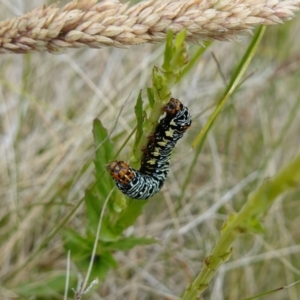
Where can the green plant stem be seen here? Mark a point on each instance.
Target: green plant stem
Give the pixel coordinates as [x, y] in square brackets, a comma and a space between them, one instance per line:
[162, 80]
[257, 205]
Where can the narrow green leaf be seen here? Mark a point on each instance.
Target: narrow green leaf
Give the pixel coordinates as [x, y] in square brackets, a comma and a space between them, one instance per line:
[128, 243]
[128, 216]
[254, 225]
[150, 95]
[233, 84]
[72, 239]
[101, 265]
[169, 49]
[180, 38]
[158, 82]
[103, 145]
[104, 153]
[119, 204]
[49, 286]
[273, 291]
[180, 56]
[125, 143]
[138, 109]
[94, 206]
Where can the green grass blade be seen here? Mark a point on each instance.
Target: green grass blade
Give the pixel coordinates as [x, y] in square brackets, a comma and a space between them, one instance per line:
[125, 143]
[273, 291]
[138, 109]
[233, 84]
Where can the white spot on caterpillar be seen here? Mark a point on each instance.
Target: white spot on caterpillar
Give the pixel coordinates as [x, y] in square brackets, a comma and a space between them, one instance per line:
[170, 132]
[173, 123]
[156, 152]
[162, 144]
[151, 161]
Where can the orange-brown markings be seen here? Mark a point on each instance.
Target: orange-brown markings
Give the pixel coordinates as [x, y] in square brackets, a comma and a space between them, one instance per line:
[150, 144]
[173, 106]
[120, 171]
[185, 128]
[147, 149]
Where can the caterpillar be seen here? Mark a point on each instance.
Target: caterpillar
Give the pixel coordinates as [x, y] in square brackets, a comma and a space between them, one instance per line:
[149, 179]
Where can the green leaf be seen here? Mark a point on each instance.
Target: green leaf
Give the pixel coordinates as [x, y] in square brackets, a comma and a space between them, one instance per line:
[78, 245]
[158, 82]
[119, 204]
[81, 250]
[108, 233]
[150, 95]
[103, 184]
[259, 296]
[255, 225]
[101, 265]
[180, 38]
[104, 153]
[94, 206]
[175, 58]
[127, 243]
[129, 215]
[140, 120]
[169, 50]
[104, 147]
[48, 286]
[180, 56]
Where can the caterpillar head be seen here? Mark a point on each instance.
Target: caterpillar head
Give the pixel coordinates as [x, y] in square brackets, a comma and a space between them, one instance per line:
[172, 107]
[120, 172]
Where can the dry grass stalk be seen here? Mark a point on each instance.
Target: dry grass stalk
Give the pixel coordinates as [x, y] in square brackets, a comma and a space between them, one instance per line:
[87, 23]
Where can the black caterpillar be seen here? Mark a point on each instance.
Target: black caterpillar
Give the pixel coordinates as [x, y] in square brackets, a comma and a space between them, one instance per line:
[146, 182]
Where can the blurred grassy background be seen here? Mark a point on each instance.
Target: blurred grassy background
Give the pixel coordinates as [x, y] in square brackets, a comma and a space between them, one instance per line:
[47, 106]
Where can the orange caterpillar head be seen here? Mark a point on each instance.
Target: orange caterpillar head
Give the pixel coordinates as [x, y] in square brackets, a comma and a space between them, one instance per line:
[120, 171]
[172, 107]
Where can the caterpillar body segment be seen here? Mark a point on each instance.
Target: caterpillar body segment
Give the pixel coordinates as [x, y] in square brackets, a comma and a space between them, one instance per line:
[149, 179]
